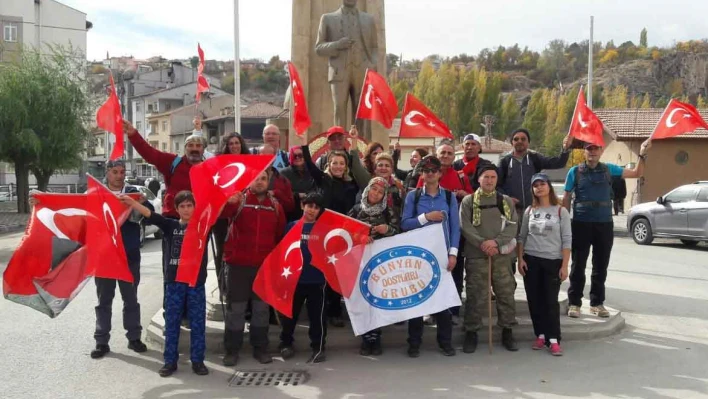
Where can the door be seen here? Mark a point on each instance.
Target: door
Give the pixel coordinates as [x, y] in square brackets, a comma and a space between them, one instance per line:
[672, 217]
[698, 215]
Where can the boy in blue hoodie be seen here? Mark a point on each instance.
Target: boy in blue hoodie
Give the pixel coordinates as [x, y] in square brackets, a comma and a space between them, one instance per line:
[310, 289]
[176, 293]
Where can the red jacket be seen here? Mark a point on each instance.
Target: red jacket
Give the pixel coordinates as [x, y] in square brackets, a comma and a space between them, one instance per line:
[255, 232]
[175, 182]
[452, 180]
[283, 191]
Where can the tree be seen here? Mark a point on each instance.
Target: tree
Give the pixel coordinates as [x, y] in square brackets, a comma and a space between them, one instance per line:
[616, 98]
[510, 116]
[646, 102]
[643, 38]
[44, 111]
[399, 89]
[423, 86]
[391, 61]
[227, 84]
[535, 118]
[609, 58]
[701, 102]
[194, 62]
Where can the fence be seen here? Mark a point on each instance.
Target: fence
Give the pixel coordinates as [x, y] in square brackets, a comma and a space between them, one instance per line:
[8, 193]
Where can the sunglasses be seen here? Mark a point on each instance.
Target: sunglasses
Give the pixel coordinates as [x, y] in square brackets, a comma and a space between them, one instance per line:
[429, 170]
[298, 156]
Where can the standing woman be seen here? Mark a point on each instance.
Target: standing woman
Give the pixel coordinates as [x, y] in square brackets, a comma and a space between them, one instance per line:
[372, 150]
[231, 144]
[339, 192]
[300, 179]
[385, 222]
[544, 252]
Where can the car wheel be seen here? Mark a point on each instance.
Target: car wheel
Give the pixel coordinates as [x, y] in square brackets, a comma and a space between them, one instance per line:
[158, 235]
[142, 234]
[641, 232]
[690, 243]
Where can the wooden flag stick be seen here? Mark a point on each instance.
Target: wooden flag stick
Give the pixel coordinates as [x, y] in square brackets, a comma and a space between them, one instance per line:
[489, 300]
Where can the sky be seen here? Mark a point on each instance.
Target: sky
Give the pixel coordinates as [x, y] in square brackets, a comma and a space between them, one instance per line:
[414, 28]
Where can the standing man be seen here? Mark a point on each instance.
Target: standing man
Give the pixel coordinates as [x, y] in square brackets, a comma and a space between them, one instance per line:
[336, 138]
[592, 225]
[517, 167]
[106, 288]
[433, 204]
[619, 193]
[271, 136]
[349, 39]
[471, 162]
[489, 224]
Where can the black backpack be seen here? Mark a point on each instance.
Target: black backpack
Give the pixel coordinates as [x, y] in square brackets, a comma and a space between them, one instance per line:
[499, 205]
[419, 192]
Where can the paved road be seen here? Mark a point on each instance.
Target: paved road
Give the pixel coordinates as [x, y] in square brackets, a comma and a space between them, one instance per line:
[662, 290]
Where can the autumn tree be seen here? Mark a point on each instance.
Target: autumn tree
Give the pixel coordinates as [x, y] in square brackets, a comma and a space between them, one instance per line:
[643, 38]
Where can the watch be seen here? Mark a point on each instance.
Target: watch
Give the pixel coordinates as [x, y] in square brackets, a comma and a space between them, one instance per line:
[643, 157]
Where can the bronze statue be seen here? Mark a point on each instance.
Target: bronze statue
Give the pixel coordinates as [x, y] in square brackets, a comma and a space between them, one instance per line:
[348, 37]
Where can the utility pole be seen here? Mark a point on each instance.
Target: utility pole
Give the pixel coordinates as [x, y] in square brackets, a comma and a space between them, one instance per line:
[237, 72]
[590, 61]
[487, 125]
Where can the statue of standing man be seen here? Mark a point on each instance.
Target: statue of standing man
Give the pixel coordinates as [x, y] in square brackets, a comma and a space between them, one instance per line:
[348, 37]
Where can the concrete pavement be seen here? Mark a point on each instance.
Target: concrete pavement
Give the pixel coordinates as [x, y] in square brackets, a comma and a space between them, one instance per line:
[662, 291]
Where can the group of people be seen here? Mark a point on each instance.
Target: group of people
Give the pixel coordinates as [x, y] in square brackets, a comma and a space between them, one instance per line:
[493, 215]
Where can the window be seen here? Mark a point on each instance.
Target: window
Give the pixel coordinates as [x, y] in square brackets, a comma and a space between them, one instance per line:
[137, 107]
[681, 194]
[176, 147]
[149, 109]
[139, 126]
[10, 32]
[703, 195]
[164, 147]
[164, 126]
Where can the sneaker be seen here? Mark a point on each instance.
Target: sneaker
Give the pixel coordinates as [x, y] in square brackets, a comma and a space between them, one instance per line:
[556, 350]
[137, 346]
[376, 349]
[600, 311]
[413, 351]
[336, 322]
[100, 351]
[365, 349]
[230, 359]
[262, 356]
[287, 352]
[574, 311]
[447, 350]
[539, 344]
[167, 370]
[317, 357]
[199, 368]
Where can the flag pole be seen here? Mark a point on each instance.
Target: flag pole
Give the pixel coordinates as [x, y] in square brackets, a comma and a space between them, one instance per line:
[489, 300]
[237, 71]
[361, 96]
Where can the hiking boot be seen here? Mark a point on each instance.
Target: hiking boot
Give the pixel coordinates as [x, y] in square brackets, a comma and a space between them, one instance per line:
[137, 346]
[287, 352]
[261, 354]
[508, 340]
[538, 344]
[413, 351]
[365, 349]
[336, 322]
[574, 311]
[199, 368]
[376, 349]
[600, 311]
[317, 357]
[447, 350]
[556, 350]
[470, 344]
[100, 351]
[167, 370]
[230, 359]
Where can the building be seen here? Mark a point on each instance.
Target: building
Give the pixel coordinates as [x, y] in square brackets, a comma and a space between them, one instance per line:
[671, 162]
[39, 24]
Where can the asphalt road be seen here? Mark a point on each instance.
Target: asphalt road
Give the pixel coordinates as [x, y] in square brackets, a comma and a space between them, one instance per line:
[661, 289]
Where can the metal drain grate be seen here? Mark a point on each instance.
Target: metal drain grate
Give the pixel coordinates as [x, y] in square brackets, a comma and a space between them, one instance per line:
[262, 378]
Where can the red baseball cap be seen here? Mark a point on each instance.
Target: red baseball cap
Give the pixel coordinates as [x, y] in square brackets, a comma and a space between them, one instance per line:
[335, 130]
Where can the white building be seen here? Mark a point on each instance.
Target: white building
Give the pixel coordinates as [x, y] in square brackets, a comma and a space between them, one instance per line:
[39, 23]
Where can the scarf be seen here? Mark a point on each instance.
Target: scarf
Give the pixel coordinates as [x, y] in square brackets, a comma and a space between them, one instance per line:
[477, 210]
[374, 209]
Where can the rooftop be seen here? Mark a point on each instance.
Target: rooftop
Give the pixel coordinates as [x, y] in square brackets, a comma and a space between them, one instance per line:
[628, 124]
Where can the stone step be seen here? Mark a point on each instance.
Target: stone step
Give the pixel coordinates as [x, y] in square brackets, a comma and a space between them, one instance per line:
[586, 327]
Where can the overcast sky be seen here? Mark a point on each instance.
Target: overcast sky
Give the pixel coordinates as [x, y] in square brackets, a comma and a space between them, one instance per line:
[415, 28]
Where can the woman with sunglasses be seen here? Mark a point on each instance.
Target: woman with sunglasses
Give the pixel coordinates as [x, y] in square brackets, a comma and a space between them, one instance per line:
[544, 252]
[300, 179]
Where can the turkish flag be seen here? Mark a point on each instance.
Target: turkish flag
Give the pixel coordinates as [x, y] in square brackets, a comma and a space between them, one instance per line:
[106, 253]
[377, 101]
[213, 182]
[301, 118]
[202, 83]
[678, 118]
[337, 243]
[586, 126]
[419, 121]
[109, 118]
[279, 273]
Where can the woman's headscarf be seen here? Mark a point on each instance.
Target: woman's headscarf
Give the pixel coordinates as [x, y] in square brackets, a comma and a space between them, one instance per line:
[374, 209]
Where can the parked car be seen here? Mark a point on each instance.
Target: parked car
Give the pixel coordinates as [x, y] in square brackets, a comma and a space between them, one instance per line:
[148, 229]
[681, 214]
[4, 197]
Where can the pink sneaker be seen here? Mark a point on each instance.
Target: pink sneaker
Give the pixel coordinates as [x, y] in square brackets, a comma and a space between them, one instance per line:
[556, 350]
[539, 344]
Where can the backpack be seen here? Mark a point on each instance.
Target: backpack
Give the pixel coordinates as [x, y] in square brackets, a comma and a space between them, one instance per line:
[175, 163]
[608, 175]
[243, 202]
[419, 192]
[499, 205]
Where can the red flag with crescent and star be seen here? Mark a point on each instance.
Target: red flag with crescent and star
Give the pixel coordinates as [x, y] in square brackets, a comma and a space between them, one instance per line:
[301, 118]
[110, 119]
[377, 102]
[337, 245]
[678, 118]
[213, 182]
[585, 125]
[279, 273]
[202, 82]
[419, 121]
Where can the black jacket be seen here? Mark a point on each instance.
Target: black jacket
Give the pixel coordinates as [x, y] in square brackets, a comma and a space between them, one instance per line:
[339, 194]
[515, 175]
